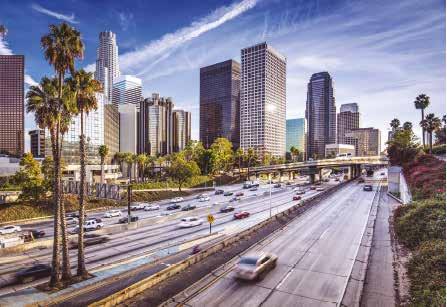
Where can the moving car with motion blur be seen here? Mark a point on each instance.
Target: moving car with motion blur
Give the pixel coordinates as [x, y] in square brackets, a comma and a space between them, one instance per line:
[253, 266]
[241, 215]
[90, 239]
[191, 221]
[36, 271]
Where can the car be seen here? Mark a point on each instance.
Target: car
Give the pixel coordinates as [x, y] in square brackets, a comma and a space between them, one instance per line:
[137, 206]
[173, 207]
[320, 189]
[10, 229]
[72, 220]
[318, 183]
[253, 266]
[90, 239]
[227, 208]
[152, 207]
[288, 183]
[367, 187]
[326, 180]
[201, 195]
[191, 221]
[176, 200]
[296, 197]
[189, 207]
[236, 198]
[313, 188]
[300, 192]
[253, 189]
[204, 198]
[228, 193]
[382, 174]
[36, 271]
[239, 194]
[196, 249]
[337, 179]
[361, 180]
[90, 225]
[218, 192]
[37, 233]
[125, 219]
[277, 185]
[241, 215]
[112, 213]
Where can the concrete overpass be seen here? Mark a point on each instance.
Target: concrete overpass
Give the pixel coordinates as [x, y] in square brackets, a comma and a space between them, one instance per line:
[312, 168]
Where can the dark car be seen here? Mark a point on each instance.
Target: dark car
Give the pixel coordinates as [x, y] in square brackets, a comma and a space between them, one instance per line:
[226, 209]
[34, 272]
[277, 185]
[91, 239]
[228, 193]
[37, 233]
[189, 207]
[361, 180]
[313, 188]
[296, 197]
[367, 187]
[196, 249]
[241, 215]
[75, 214]
[125, 219]
[218, 192]
[173, 207]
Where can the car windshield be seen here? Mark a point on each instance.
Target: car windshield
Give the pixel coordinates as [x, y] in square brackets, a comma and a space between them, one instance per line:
[248, 260]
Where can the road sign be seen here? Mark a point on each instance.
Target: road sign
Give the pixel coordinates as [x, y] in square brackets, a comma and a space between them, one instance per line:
[210, 218]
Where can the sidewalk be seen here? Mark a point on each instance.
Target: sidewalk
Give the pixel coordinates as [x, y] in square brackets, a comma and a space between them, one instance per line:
[379, 287]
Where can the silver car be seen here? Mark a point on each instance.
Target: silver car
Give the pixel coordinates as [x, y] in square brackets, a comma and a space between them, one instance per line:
[251, 267]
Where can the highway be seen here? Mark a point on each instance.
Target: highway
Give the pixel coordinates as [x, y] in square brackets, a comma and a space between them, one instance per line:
[152, 237]
[315, 252]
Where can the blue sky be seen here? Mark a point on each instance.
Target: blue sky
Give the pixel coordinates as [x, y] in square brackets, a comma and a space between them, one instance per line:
[381, 54]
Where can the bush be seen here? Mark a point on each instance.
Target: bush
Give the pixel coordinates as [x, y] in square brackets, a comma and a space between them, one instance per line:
[197, 181]
[436, 150]
[426, 270]
[421, 221]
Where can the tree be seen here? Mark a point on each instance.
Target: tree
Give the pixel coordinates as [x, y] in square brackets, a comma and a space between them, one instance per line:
[250, 158]
[431, 123]
[295, 152]
[440, 133]
[407, 126]
[421, 103]
[181, 171]
[129, 159]
[62, 46]
[238, 158]
[395, 123]
[221, 154]
[30, 178]
[403, 147]
[103, 152]
[267, 159]
[141, 161]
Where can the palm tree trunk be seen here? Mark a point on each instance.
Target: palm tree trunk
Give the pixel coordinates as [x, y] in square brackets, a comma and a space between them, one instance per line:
[66, 267]
[423, 130]
[55, 262]
[431, 141]
[102, 170]
[82, 272]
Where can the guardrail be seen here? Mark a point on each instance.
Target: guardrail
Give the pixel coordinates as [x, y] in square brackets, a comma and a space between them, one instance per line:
[150, 281]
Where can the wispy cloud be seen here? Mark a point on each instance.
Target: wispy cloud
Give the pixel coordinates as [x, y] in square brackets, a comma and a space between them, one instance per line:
[169, 42]
[126, 20]
[68, 18]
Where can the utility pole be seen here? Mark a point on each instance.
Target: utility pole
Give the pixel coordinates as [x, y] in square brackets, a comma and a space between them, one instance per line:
[270, 184]
[129, 200]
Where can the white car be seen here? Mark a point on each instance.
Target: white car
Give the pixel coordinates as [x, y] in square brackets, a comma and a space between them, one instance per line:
[152, 208]
[10, 229]
[204, 198]
[71, 220]
[190, 222]
[89, 225]
[201, 195]
[112, 213]
[252, 266]
[137, 206]
[176, 200]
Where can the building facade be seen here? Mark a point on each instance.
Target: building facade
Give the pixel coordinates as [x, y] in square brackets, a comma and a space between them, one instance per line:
[220, 102]
[368, 141]
[12, 118]
[263, 101]
[107, 65]
[111, 130]
[347, 120]
[37, 143]
[320, 114]
[128, 115]
[333, 150]
[181, 129]
[296, 135]
[127, 89]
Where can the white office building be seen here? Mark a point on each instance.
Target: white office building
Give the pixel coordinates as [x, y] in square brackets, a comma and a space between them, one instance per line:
[263, 100]
[127, 89]
[107, 66]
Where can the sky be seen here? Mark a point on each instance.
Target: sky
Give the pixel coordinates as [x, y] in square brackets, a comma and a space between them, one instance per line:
[380, 54]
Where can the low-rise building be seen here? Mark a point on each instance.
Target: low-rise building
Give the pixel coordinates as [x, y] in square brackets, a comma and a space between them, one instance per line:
[334, 150]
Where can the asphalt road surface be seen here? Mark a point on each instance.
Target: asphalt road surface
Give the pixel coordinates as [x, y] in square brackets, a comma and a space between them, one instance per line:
[315, 252]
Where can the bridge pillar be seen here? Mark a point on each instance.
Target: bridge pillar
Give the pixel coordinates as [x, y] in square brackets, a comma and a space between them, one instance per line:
[320, 174]
[312, 178]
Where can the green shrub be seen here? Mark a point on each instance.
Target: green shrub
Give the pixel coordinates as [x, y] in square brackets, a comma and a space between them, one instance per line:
[420, 221]
[426, 270]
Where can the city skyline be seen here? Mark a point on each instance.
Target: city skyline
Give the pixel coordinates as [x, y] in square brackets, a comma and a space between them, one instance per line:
[397, 76]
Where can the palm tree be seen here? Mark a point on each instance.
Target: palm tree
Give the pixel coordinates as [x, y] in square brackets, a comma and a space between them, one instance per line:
[395, 123]
[103, 152]
[141, 161]
[407, 126]
[250, 155]
[422, 102]
[129, 159]
[85, 87]
[43, 102]
[295, 152]
[431, 123]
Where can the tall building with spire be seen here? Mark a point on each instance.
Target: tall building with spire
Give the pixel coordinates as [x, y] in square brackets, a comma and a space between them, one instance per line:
[320, 114]
[107, 66]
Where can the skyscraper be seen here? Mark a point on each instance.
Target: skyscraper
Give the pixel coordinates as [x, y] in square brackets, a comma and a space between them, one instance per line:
[296, 134]
[320, 114]
[347, 120]
[219, 102]
[368, 141]
[111, 130]
[127, 89]
[107, 66]
[12, 118]
[128, 127]
[181, 129]
[263, 100]
[37, 142]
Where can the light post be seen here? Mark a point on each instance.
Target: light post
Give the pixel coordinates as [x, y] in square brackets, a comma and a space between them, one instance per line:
[270, 185]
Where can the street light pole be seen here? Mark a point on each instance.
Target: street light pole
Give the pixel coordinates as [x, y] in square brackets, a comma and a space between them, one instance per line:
[270, 184]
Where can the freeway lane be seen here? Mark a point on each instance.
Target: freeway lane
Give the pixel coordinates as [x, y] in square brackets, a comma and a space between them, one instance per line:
[316, 254]
[147, 238]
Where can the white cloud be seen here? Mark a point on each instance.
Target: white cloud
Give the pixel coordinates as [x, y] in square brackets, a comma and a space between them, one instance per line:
[68, 18]
[126, 20]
